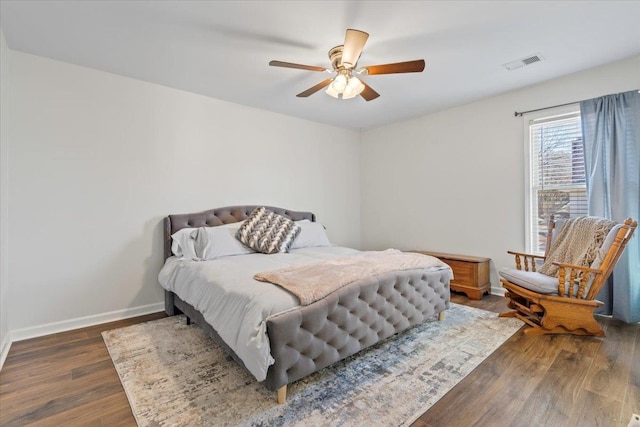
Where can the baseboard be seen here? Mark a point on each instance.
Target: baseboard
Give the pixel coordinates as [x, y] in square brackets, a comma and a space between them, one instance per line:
[5, 345]
[83, 322]
[497, 291]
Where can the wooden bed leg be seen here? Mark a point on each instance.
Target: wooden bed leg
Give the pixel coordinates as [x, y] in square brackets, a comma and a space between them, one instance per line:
[282, 394]
[188, 321]
[441, 315]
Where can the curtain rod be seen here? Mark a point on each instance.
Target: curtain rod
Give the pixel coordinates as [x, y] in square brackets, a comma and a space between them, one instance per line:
[516, 114]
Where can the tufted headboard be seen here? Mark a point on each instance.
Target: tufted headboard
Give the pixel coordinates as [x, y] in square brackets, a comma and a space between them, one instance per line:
[219, 216]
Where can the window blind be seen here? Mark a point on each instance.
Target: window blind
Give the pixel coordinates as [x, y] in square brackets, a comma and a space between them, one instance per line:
[558, 184]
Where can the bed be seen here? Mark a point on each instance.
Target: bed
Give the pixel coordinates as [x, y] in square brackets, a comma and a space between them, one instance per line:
[300, 340]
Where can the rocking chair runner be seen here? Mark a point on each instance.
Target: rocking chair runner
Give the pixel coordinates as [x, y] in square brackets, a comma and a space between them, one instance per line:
[562, 305]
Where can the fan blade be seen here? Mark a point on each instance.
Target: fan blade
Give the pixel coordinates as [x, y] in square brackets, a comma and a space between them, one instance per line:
[398, 67]
[354, 42]
[368, 93]
[314, 89]
[298, 66]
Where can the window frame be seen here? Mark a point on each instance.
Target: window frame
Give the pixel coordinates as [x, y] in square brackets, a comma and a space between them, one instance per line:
[529, 204]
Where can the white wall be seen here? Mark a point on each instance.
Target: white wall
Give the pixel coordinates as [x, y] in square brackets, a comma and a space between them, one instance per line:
[5, 339]
[453, 181]
[97, 160]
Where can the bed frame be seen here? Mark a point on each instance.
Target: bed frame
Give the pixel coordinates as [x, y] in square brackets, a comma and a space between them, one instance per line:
[312, 337]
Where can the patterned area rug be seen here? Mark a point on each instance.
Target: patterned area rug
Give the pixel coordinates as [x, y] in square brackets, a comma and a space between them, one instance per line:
[174, 375]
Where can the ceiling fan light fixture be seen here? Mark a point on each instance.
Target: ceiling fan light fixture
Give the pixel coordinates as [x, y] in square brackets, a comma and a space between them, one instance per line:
[345, 86]
[331, 91]
[353, 89]
[339, 83]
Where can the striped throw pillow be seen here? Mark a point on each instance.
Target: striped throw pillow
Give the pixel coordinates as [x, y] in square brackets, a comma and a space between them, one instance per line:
[267, 232]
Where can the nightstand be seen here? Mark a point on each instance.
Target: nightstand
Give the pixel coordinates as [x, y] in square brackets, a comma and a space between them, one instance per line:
[470, 273]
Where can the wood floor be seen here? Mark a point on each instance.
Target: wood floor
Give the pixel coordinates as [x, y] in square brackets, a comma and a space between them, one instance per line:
[68, 379]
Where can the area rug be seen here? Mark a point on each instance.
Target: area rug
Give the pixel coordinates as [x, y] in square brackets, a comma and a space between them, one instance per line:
[175, 375]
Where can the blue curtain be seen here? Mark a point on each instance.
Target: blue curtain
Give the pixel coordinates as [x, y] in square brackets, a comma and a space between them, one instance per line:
[611, 133]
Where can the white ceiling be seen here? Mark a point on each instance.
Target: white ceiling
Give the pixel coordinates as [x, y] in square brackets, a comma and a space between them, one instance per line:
[222, 49]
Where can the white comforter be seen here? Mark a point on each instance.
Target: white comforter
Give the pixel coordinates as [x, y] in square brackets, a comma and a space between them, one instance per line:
[235, 304]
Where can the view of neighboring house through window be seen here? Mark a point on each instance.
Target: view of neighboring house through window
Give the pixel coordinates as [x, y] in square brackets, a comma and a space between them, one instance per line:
[556, 175]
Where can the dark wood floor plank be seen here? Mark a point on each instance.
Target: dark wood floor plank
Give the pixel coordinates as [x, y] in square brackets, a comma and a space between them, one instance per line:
[588, 346]
[24, 393]
[631, 403]
[36, 403]
[552, 401]
[87, 414]
[37, 368]
[92, 368]
[34, 344]
[612, 362]
[517, 383]
[62, 403]
[17, 383]
[592, 409]
[53, 353]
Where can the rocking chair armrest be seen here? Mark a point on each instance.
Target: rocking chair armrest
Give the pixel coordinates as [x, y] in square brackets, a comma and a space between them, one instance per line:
[577, 267]
[527, 258]
[574, 285]
[525, 254]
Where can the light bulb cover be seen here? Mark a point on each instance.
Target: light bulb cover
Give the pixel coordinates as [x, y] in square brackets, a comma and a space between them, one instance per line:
[332, 92]
[353, 88]
[349, 95]
[339, 83]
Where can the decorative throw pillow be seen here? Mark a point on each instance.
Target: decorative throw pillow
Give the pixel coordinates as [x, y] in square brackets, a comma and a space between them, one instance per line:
[267, 232]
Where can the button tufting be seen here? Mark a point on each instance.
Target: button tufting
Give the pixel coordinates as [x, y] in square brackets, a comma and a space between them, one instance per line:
[363, 317]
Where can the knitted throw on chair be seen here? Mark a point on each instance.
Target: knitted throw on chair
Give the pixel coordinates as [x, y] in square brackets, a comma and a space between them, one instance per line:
[577, 243]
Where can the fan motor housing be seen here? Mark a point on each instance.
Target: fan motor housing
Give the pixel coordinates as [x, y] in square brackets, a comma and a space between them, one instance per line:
[335, 55]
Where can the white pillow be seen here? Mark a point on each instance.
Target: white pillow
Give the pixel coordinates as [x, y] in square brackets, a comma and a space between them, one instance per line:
[217, 242]
[312, 234]
[235, 225]
[183, 245]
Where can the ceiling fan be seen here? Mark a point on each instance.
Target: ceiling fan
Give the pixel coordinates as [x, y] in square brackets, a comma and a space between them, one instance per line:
[344, 58]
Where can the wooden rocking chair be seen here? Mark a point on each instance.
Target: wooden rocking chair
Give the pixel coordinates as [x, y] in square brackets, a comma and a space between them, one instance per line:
[566, 304]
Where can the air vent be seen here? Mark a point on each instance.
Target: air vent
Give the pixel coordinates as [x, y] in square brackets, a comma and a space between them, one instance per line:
[531, 59]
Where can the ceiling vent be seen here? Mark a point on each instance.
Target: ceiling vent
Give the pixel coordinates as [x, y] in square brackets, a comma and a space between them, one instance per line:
[519, 63]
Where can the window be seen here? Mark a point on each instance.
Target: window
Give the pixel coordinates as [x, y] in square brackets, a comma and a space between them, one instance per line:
[556, 183]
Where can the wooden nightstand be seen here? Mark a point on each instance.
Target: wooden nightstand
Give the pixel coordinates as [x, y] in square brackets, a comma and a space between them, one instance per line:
[470, 273]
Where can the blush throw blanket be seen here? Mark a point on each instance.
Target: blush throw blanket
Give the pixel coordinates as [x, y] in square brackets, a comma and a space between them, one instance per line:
[312, 282]
[577, 243]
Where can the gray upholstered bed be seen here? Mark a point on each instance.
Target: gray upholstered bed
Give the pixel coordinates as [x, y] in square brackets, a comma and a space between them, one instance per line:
[309, 338]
